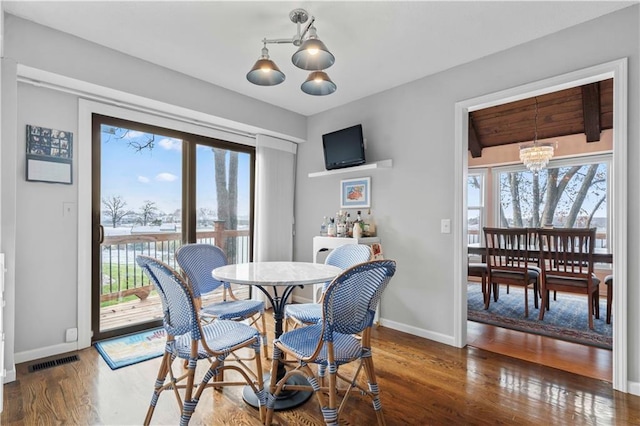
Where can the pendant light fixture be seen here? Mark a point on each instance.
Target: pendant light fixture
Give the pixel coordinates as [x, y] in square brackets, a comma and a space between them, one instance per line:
[318, 83]
[265, 72]
[536, 155]
[312, 55]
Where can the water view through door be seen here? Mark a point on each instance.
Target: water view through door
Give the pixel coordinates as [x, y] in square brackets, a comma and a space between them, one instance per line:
[155, 189]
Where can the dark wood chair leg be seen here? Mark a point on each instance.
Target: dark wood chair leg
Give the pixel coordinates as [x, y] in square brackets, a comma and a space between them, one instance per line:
[609, 300]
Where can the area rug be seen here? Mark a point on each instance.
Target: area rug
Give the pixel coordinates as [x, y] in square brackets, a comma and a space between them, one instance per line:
[134, 348]
[566, 320]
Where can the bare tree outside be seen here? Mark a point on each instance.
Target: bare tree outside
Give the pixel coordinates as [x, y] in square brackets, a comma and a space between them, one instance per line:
[562, 197]
[141, 142]
[148, 213]
[227, 192]
[115, 209]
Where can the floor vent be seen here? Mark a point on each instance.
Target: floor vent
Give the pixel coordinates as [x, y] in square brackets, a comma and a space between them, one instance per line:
[53, 363]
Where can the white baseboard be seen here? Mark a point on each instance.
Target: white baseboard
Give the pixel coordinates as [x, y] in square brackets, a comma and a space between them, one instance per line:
[633, 387]
[300, 299]
[45, 352]
[438, 337]
[10, 375]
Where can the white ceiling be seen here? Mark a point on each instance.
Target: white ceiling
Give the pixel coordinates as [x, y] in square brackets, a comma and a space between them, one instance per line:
[377, 45]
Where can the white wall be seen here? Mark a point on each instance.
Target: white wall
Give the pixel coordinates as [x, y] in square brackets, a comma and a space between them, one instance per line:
[46, 247]
[414, 125]
[41, 244]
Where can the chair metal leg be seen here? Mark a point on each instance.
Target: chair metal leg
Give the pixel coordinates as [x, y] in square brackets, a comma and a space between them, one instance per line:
[265, 342]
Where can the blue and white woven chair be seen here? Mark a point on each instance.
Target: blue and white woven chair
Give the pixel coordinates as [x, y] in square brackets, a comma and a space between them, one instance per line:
[191, 340]
[197, 261]
[343, 257]
[348, 308]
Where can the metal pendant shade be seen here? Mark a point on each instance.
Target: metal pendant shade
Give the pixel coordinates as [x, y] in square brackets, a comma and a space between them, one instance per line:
[265, 72]
[313, 55]
[318, 84]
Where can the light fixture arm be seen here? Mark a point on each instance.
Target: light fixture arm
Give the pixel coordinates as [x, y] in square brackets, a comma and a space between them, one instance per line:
[296, 40]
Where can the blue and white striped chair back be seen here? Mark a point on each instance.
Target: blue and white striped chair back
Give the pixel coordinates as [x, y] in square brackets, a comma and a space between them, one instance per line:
[197, 261]
[347, 256]
[350, 301]
[344, 257]
[180, 315]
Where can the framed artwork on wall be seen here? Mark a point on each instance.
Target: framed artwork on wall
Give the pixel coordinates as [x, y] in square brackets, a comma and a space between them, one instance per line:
[49, 155]
[355, 193]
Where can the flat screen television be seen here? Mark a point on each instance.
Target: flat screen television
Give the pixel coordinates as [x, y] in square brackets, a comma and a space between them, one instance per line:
[343, 148]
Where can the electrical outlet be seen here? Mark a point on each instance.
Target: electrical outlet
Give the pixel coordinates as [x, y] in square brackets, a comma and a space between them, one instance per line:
[445, 226]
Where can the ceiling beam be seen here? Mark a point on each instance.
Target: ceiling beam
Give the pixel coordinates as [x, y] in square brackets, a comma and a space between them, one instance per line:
[591, 111]
[474, 142]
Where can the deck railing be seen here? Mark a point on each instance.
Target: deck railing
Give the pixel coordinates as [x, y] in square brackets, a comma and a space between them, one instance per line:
[121, 275]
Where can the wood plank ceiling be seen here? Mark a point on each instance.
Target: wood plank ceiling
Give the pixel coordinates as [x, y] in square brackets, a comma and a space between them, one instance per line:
[584, 109]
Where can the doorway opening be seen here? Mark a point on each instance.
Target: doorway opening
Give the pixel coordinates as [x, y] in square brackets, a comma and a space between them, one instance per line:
[615, 70]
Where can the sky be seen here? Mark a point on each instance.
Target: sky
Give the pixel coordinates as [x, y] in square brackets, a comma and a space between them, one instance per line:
[156, 174]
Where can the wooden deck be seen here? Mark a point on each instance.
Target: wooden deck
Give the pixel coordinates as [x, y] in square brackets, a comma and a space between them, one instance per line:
[148, 309]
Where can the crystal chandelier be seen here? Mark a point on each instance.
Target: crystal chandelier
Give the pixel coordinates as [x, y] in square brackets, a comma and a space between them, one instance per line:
[536, 155]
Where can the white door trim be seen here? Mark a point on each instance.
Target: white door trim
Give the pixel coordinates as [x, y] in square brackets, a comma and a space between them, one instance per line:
[616, 70]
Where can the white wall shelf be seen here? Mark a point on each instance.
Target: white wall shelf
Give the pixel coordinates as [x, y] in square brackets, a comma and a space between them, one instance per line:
[384, 164]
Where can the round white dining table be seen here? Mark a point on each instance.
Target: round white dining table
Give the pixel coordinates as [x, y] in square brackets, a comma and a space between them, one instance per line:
[281, 278]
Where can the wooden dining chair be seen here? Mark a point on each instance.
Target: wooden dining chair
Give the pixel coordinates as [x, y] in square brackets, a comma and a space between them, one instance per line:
[566, 260]
[508, 262]
[608, 280]
[480, 270]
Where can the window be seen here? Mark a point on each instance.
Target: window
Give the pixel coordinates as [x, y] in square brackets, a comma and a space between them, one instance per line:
[475, 206]
[569, 193]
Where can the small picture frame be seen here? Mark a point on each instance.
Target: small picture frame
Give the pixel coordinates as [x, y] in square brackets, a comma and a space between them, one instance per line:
[355, 193]
[49, 155]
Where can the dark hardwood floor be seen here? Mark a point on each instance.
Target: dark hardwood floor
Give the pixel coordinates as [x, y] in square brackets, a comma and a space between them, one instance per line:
[584, 360]
[421, 383]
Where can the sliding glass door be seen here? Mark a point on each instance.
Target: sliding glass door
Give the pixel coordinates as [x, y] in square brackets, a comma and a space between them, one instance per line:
[155, 189]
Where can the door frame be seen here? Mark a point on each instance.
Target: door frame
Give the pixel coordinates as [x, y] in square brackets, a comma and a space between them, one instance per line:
[86, 109]
[618, 71]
